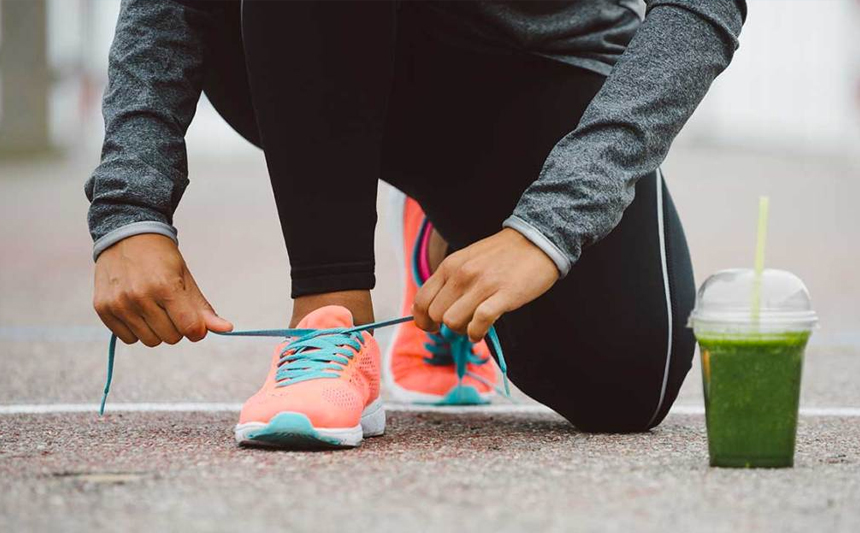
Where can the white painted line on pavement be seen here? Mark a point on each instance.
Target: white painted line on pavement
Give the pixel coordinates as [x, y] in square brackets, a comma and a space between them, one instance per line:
[214, 407]
[56, 408]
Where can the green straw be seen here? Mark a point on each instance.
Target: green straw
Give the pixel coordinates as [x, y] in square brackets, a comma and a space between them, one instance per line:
[761, 242]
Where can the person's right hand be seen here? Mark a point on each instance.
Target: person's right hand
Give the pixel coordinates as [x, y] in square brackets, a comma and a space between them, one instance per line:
[144, 291]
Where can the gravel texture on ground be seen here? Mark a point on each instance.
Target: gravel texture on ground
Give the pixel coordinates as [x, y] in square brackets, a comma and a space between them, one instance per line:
[430, 472]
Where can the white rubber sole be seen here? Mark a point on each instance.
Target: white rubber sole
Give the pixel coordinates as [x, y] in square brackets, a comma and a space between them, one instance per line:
[293, 430]
[396, 205]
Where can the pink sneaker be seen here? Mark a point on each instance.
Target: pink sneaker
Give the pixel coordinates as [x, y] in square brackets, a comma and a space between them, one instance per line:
[439, 369]
[322, 390]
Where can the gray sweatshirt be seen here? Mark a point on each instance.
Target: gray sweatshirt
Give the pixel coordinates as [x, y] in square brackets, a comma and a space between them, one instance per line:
[659, 69]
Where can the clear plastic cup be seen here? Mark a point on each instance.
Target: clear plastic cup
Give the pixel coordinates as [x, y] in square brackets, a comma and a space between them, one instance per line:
[751, 366]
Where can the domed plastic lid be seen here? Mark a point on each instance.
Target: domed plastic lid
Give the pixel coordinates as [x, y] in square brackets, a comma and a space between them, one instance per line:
[725, 303]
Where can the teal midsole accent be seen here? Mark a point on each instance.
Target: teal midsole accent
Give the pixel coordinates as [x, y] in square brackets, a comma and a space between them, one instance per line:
[460, 395]
[291, 430]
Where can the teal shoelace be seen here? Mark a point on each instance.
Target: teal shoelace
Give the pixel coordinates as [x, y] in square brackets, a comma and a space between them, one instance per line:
[451, 348]
[322, 353]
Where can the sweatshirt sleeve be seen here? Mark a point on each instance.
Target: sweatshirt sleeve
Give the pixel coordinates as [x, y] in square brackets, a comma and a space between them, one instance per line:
[155, 78]
[625, 133]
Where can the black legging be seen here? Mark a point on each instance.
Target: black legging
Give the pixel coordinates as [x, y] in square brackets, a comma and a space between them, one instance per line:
[347, 93]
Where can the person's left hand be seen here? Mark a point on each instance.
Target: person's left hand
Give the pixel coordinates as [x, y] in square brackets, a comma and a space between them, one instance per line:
[473, 287]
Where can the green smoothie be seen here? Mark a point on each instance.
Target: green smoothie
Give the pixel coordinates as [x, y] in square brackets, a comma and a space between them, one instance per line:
[752, 391]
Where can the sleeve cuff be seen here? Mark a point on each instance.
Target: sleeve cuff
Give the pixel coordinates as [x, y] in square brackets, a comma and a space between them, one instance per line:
[539, 239]
[129, 230]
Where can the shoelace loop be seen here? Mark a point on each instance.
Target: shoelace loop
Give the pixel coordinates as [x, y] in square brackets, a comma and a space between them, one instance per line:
[448, 347]
[317, 352]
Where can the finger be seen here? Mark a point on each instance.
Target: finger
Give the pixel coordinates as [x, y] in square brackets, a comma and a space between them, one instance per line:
[117, 327]
[139, 327]
[461, 276]
[185, 314]
[187, 320]
[445, 298]
[159, 322]
[486, 315]
[424, 297]
[460, 313]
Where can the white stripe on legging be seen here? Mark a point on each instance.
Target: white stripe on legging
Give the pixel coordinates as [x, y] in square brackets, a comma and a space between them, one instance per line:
[663, 263]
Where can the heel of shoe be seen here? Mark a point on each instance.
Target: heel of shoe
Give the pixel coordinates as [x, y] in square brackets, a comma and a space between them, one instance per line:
[373, 419]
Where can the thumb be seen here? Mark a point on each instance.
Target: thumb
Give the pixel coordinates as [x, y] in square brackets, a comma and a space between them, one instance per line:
[214, 322]
[207, 313]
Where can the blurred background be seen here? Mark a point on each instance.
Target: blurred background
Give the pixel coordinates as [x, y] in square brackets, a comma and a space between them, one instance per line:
[784, 121]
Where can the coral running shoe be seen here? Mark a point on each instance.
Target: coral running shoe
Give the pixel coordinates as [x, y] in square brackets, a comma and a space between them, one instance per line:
[322, 390]
[442, 368]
